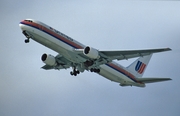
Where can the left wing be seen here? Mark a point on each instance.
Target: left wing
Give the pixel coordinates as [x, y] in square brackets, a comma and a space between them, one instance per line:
[62, 63]
[126, 54]
[47, 67]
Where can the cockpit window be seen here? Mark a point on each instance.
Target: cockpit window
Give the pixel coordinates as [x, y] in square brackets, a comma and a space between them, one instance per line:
[29, 21]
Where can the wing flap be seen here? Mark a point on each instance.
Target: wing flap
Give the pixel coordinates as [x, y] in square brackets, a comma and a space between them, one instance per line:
[152, 80]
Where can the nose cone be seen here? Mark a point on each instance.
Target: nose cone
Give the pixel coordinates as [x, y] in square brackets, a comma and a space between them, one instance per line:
[21, 25]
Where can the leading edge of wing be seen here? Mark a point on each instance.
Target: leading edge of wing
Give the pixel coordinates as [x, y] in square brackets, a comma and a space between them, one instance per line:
[152, 80]
[126, 54]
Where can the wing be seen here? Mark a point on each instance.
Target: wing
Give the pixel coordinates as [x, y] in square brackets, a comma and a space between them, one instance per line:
[109, 56]
[105, 57]
[47, 67]
[62, 63]
[126, 54]
[152, 80]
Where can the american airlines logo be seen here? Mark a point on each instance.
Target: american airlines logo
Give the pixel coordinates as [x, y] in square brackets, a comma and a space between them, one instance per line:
[140, 67]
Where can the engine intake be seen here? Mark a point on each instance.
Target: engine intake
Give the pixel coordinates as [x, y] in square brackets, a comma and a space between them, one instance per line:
[49, 59]
[91, 52]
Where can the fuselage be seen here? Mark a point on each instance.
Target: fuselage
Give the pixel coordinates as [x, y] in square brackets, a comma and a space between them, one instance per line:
[65, 46]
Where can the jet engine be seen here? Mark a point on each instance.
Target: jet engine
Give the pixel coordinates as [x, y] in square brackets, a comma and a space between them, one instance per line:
[49, 59]
[91, 52]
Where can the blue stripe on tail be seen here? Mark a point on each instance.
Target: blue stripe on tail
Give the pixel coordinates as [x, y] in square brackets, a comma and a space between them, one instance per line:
[138, 65]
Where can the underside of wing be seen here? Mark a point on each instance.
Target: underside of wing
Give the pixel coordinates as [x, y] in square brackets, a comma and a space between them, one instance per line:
[47, 67]
[152, 80]
[60, 63]
[126, 54]
[58, 67]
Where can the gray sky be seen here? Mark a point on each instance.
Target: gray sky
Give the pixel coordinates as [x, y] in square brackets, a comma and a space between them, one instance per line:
[27, 90]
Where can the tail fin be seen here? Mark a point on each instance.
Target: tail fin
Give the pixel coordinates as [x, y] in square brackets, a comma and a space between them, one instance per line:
[138, 67]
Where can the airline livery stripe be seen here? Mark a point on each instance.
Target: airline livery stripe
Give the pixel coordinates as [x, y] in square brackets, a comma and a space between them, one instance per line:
[52, 33]
[140, 67]
[122, 71]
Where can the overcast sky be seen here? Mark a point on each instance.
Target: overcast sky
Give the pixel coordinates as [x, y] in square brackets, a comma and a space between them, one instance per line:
[27, 90]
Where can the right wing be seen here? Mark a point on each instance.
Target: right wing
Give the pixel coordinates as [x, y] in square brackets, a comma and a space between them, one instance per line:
[109, 56]
[126, 54]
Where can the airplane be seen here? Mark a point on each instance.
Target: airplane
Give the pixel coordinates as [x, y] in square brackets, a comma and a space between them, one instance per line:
[72, 53]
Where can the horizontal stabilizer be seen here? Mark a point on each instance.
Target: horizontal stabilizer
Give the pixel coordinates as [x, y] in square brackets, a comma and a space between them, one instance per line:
[152, 80]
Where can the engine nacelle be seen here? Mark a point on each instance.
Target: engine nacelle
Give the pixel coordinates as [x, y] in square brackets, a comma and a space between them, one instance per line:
[91, 52]
[49, 59]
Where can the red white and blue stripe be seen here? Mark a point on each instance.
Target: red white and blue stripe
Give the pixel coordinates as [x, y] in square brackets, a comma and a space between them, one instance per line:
[140, 67]
[52, 33]
[122, 71]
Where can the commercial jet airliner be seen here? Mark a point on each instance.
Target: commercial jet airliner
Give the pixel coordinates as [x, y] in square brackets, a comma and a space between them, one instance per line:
[73, 54]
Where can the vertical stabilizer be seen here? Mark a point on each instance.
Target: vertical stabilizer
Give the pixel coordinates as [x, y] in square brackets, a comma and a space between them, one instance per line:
[138, 67]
